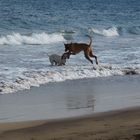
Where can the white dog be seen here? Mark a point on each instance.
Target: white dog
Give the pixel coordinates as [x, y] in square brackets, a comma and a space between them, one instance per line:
[58, 60]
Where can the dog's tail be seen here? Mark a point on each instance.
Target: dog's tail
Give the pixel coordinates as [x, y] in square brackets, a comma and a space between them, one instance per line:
[90, 39]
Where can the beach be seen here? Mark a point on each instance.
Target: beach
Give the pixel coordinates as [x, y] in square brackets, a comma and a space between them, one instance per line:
[71, 98]
[115, 125]
[101, 109]
[79, 100]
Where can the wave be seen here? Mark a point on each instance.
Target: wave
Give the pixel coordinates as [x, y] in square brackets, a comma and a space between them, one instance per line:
[113, 31]
[134, 30]
[31, 39]
[117, 31]
[27, 79]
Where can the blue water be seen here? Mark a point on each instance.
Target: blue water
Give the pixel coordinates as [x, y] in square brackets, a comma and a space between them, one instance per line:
[30, 29]
[45, 15]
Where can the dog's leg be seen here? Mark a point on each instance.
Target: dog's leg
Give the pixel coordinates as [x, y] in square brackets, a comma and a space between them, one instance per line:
[91, 55]
[59, 64]
[87, 57]
[96, 59]
[55, 62]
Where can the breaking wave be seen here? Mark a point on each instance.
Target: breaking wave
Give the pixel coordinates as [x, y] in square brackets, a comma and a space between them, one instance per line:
[107, 32]
[32, 39]
[117, 31]
[27, 79]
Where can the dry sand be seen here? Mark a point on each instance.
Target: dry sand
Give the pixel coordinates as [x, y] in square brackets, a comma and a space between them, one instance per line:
[115, 125]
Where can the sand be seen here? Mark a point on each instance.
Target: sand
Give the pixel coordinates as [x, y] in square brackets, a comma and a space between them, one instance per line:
[115, 125]
[65, 100]
[99, 109]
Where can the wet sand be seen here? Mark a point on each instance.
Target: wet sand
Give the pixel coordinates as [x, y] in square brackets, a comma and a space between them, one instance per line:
[90, 109]
[71, 98]
[115, 125]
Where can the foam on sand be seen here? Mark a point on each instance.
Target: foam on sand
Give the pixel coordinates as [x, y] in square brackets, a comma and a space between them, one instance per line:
[26, 79]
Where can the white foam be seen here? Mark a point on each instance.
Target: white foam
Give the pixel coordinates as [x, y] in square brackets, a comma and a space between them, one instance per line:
[27, 79]
[107, 32]
[34, 38]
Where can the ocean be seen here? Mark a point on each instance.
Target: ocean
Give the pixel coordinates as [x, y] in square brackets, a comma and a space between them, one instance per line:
[31, 29]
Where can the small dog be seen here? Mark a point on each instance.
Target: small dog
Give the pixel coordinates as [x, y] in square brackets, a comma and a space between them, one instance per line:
[58, 60]
[75, 48]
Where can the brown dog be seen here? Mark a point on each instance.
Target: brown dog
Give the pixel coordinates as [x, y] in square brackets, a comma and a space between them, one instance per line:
[75, 48]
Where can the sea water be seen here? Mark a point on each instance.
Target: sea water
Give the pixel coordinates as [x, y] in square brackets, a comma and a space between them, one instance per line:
[32, 29]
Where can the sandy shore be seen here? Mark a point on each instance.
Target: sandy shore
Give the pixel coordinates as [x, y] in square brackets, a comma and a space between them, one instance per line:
[64, 100]
[75, 113]
[117, 125]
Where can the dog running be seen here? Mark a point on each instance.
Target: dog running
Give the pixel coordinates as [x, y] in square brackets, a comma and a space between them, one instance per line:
[75, 48]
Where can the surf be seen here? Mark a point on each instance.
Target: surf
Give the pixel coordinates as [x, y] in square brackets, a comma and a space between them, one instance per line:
[31, 39]
[116, 31]
[30, 78]
[110, 32]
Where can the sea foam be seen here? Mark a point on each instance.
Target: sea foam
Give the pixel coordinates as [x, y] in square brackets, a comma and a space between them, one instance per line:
[28, 79]
[107, 32]
[31, 39]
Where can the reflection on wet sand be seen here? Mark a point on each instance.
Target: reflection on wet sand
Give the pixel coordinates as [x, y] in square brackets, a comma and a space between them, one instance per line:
[80, 102]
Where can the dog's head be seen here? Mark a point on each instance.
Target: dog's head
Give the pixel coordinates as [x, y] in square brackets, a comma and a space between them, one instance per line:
[66, 55]
[67, 47]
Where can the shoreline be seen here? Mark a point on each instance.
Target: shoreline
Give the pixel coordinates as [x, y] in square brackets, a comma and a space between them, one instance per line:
[119, 125]
[99, 109]
[65, 100]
